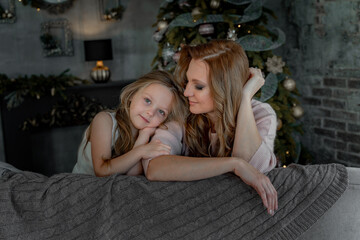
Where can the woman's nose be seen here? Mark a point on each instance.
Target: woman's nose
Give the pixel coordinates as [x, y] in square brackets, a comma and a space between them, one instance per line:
[187, 91]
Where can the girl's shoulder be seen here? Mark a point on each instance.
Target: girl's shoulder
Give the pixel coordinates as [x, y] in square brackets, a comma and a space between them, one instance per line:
[102, 118]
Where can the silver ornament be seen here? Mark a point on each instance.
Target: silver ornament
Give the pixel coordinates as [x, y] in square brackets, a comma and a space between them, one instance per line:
[214, 4]
[289, 84]
[231, 35]
[206, 29]
[158, 36]
[297, 111]
[167, 53]
[176, 57]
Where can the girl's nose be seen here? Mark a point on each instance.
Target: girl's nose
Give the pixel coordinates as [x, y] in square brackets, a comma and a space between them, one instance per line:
[150, 112]
[187, 91]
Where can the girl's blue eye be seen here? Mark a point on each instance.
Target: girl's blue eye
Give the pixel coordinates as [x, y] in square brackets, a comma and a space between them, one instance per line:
[148, 101]
[162, 112]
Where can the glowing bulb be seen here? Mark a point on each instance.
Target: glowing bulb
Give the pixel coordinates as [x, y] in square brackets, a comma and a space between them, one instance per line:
[38, 9]
[287, 152]
[284, 166]
[249, 31]
[194, 20]
[239, 25]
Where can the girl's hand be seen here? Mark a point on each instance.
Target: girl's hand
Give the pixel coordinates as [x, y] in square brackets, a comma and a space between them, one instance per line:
[146, 132]
[144, 136]
[255, 82]
[260, 183]
[154, 149]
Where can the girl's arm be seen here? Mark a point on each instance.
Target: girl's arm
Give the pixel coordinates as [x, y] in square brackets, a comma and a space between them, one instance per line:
[254, 138]
[143, 138]
[100, 138]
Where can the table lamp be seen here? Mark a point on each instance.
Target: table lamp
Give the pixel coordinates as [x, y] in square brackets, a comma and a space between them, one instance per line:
[99, 50]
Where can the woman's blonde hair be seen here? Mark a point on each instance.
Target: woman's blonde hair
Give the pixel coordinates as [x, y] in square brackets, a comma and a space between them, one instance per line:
[228, 72]
[125, 142]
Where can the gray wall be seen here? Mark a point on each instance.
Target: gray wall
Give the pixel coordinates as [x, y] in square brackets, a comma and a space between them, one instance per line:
[133, 47]
[323, 52]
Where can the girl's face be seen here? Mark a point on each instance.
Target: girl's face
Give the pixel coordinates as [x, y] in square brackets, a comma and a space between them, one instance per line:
[197, 88]
[150, 106]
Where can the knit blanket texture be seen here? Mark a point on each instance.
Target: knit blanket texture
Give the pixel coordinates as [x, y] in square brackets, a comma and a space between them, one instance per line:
[76, 206]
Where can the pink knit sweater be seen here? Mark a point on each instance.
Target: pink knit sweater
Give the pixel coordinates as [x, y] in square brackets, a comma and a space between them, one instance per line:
[264, 158]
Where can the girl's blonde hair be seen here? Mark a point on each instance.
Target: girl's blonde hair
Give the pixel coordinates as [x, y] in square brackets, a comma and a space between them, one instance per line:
[228, 72]
[125, 142]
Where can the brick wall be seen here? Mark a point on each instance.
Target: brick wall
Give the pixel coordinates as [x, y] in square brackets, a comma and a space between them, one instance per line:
[332, 120]
[323, 53]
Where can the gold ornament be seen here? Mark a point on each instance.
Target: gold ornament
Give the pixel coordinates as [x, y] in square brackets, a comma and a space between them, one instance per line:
[214, 4]
[289, 84]
[196, 11]
[162, 25]
[297, 111]
[279, 124]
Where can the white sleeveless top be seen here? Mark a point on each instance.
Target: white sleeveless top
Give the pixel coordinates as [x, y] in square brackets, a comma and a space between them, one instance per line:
[84, 162]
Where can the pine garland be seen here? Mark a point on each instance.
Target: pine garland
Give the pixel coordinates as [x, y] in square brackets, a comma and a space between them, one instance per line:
[14, 90]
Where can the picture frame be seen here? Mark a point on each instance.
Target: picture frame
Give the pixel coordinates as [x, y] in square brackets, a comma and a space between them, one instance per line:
[7, 13]
[111, 10]
[56, 38]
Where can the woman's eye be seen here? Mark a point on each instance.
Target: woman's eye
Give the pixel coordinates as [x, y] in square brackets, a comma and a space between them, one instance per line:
[162, 112]
[198, 87]
[148, 101]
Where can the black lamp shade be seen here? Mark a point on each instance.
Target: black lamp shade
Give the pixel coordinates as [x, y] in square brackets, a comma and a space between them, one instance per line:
[97, 50]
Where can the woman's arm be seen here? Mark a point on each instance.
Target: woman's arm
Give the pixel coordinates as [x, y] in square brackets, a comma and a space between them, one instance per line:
[255, 128]
[180, 168]
[100, 138]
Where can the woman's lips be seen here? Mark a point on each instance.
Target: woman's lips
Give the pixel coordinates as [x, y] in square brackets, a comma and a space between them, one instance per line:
[192, 103]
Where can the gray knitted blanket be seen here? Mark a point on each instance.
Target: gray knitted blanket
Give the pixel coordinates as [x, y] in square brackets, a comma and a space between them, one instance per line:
[73, 206]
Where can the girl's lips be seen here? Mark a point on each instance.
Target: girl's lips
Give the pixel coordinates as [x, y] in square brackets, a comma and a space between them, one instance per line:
[192, 103]
[147, 121]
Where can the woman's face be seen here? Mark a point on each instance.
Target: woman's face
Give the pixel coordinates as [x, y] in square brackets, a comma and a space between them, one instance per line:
[197, 88]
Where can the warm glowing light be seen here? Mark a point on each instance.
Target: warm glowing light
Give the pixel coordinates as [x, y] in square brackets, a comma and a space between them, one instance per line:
[19, 0]
[194, 20]
[287, 152]
[38, 9]
[249, 31]
[239, 25]
[284, 166]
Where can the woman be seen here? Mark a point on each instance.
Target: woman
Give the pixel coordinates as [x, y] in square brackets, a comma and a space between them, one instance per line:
[226, 131]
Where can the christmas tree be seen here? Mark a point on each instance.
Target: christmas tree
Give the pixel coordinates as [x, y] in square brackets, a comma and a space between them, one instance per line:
[181, 22]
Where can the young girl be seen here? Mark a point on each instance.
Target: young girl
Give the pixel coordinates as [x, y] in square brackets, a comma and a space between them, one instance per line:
[116, 141]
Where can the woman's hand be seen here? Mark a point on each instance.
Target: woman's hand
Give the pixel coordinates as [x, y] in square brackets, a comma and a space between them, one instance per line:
[260, 183]
[253, 85]
[154, 149]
